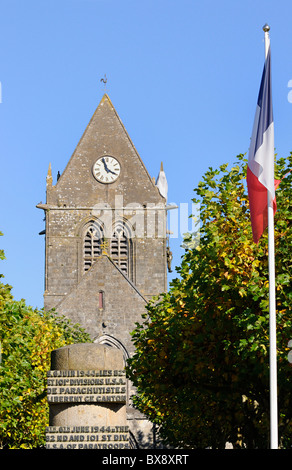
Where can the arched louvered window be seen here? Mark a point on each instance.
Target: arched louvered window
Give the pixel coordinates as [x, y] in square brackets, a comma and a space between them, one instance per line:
[121, 249]
[93, 239]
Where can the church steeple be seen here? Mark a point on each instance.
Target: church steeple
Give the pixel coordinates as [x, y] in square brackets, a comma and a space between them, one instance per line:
[104, 136]
[105, 197]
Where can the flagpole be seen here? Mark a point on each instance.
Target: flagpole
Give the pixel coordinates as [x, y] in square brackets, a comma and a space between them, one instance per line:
[272, 307]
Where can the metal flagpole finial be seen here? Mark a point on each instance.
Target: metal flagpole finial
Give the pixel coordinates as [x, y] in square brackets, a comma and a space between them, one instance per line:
[266, 29]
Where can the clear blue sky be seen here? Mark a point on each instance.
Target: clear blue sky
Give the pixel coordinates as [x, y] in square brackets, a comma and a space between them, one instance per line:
[182, 74]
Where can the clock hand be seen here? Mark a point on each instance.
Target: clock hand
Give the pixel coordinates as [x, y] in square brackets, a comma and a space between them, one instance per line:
[105, 165]
[112, 172]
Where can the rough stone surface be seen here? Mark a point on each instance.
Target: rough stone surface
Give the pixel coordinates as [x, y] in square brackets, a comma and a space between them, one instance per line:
[86, 357]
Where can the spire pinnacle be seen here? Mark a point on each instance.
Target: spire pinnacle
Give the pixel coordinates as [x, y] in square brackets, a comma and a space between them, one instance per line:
[49, 176]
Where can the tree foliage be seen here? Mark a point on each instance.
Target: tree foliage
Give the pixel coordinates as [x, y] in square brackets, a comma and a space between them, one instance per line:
[201, 365]
[27, 337]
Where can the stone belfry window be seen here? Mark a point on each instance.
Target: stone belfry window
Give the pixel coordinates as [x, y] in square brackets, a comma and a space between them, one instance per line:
[92, 242]
[121, 249]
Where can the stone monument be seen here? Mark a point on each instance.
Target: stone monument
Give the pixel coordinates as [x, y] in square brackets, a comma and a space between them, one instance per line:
[87, 394]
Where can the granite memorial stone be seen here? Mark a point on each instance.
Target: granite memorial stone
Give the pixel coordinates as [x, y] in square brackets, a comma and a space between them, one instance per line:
[87, 394]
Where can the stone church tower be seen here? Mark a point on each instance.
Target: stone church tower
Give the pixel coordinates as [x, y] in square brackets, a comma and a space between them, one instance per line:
[105, 235]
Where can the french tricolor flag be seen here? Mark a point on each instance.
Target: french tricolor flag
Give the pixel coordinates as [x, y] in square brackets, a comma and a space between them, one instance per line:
[260, 169]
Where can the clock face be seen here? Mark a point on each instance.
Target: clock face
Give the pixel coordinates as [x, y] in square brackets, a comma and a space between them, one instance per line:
[106, 169]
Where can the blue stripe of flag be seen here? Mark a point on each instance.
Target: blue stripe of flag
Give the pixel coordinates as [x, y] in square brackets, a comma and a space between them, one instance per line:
[265, 102]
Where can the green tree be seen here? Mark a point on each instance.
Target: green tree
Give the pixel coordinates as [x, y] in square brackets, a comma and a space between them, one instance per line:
[27, 337]
[5, 289]
[201, 365]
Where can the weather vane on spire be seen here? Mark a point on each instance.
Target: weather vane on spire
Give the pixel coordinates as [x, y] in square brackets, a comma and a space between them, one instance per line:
[104, 80]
